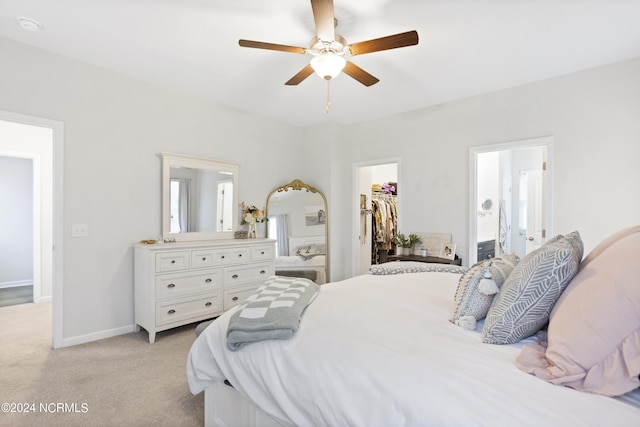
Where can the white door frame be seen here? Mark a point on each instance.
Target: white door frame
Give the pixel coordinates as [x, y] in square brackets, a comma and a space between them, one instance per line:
[355, 197]
[545, 141]
[50, 249]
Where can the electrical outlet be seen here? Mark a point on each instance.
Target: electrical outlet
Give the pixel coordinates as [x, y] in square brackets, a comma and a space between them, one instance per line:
[79, 230]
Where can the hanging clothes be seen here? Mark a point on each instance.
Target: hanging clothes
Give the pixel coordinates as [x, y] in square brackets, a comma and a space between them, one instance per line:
[384, 226]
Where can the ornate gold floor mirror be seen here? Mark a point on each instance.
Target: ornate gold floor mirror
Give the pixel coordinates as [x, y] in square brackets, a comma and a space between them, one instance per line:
[299, 221]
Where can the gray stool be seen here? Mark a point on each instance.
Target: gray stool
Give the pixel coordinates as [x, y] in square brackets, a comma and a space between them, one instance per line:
[202, 326]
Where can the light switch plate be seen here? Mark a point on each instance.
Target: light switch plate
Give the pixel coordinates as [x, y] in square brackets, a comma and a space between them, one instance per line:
[79, 230]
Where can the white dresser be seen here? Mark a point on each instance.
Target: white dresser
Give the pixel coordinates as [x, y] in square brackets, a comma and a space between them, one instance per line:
[186, 282]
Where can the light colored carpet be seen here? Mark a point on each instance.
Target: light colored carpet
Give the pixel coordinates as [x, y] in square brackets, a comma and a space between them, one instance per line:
[120, 381]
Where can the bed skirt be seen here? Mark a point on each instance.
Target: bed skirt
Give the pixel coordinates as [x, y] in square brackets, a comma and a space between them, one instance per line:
[225, 407]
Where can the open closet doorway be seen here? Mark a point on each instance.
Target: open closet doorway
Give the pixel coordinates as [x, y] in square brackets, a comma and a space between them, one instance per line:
[375, 182]
[510, 198]
[39, 142]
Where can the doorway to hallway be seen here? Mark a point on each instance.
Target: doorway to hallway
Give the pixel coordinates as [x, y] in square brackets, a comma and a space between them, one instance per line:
[41, 141]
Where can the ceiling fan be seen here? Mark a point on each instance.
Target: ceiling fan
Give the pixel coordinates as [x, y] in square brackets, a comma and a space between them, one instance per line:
[330, 49]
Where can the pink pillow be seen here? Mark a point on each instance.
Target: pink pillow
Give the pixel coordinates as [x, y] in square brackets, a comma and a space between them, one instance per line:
[606, 243]
[594, 328]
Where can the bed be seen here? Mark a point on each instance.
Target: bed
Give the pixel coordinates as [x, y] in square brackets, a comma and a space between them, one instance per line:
[389, 349]
[306, 258]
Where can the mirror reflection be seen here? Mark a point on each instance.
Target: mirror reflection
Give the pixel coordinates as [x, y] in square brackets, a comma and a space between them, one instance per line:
[298, 221]
[198, 197]
[201, 200]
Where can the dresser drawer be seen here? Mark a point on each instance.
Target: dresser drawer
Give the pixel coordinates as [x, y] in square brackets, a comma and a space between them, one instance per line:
[245, 274]
[262, 253]
[172, 261]
[226, 256]
[236, 296]
[188, 283]
[181, 309]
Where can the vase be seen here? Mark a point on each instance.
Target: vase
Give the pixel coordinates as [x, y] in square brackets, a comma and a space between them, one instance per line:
[261, 229]
[252, 231]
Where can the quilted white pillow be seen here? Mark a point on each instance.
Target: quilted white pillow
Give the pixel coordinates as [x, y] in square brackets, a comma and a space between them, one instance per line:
[523, 306]
[469, 300]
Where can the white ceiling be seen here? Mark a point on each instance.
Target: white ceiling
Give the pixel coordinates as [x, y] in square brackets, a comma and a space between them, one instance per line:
[466, 48]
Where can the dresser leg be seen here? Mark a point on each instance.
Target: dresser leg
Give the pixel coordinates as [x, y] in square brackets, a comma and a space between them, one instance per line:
[152, 337]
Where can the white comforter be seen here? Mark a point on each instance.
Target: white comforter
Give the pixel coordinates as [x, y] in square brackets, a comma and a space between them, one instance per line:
[380, 351]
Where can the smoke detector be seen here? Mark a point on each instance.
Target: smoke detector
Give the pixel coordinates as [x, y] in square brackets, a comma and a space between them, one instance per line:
[29, 24]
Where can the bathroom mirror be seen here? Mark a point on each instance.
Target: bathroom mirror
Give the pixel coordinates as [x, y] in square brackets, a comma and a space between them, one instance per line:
[299, 222]
[199, 198]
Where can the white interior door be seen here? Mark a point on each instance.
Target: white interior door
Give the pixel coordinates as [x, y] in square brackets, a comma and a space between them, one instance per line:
[535, 218]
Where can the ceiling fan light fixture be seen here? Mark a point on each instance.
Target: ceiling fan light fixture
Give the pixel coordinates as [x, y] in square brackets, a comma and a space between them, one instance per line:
[328, 65]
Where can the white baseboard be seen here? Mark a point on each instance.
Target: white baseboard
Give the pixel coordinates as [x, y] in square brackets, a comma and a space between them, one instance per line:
[16, 283]
[95, 336]
[38, 300]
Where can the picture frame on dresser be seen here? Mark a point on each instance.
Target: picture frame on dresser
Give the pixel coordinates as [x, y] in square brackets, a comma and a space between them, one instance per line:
[447, 250]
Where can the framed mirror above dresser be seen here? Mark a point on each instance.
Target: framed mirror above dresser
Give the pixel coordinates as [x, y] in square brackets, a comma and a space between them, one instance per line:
[298, 220]
[199, 198]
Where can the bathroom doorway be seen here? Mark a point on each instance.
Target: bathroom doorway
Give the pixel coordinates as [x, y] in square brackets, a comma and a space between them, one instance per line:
[510, 198]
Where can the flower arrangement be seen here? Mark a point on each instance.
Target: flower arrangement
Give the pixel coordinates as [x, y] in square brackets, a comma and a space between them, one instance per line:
[251, 214]
[402, 241]
[407, 241]
[414, 239]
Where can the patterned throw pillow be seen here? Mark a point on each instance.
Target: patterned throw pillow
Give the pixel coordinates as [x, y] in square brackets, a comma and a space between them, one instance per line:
[526, 299]
[401, 267]
[469, 301]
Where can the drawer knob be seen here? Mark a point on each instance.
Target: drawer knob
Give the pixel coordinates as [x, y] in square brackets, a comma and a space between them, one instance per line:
[262, 271]
[171, 311]
[173, 261]
[262, 253]
[234, 299]
[222, 257]
[204, 258]
[208, 280]
[208, 304]
[171, 285]
[239, 255]
[235, 276]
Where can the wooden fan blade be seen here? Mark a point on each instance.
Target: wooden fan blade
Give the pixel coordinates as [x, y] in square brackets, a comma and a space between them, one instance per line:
[302, 74]
[359, 74]
[409, 38]
[272, 46]
[323, 16]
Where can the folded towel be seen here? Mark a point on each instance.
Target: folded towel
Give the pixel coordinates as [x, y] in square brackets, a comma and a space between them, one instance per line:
[273, 312]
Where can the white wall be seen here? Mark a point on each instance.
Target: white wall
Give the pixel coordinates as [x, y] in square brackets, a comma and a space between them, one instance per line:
[115, 128]
[16, 221]
[592, 115]
[488, 189]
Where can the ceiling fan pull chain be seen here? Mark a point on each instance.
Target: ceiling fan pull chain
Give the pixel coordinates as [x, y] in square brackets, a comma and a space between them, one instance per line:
[328, 95]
